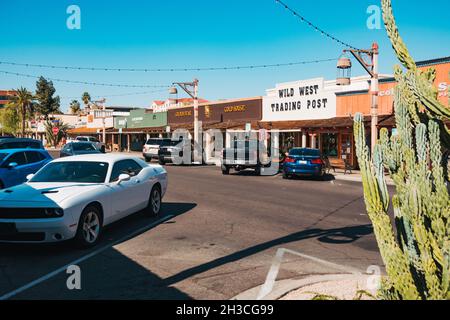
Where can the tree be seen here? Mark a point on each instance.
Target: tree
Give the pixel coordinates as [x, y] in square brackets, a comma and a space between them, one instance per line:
[22, 101]
[86, 98]
[46, 103]
[53, 139]
[75, 107]
[9, 120]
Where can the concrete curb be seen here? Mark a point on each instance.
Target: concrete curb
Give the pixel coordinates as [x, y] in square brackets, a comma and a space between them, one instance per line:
[358, 178]
[284, 287]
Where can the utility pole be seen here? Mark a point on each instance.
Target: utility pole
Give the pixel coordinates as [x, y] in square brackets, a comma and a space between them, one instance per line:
[374, 90]
[191, 88]
[103, 102]
[372, 69]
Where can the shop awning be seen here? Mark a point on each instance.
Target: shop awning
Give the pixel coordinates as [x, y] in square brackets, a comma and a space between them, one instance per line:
[338, 122]
[83, 130]
[139, 130]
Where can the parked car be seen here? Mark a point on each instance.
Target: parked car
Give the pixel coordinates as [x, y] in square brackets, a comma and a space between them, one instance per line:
[16, 164]
[20, 143]
[76, 197]
[151, 148]
[304, 162]
[176, 149]
[98, 144]
[244, 154]
[78, 148]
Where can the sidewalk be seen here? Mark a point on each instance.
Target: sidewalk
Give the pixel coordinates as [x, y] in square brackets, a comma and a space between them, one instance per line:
[355, 176]
[337, 286]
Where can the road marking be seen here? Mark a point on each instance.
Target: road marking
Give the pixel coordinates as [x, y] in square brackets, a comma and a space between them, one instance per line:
[84, 258]
[268, 285]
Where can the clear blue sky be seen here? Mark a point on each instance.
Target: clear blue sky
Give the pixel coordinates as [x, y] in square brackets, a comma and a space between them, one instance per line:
[201, 33]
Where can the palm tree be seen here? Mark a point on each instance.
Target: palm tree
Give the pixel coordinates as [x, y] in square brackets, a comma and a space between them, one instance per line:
[23, 102]
[75, 107]
[53, 139]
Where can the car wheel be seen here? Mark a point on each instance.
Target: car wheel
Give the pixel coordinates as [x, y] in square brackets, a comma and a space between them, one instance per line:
[226, 170]
[1, 185]
[258, 170]
[89, 227]
[154, 203]
[286, 176]
[161, 161]
[147, 159]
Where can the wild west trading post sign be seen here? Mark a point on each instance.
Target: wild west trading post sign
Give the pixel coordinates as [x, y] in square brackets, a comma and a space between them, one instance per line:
[300, 100]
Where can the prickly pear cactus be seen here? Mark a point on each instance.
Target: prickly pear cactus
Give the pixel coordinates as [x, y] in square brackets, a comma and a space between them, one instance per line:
[415, 247]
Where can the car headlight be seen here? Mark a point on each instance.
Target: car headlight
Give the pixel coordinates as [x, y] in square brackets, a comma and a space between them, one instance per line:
[54, 212]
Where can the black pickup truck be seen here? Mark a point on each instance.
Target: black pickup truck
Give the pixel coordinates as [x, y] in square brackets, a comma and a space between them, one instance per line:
[244, 154]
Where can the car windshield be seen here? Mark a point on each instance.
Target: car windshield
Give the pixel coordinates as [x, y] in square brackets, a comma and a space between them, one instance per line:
[83, 147]
[172, 142]
[73, 171]
[158, 142]
[305, 152]
[2, 156]
[81, 139]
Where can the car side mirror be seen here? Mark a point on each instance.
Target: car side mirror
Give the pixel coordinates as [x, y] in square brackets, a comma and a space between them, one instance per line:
[12, 165]
[30, 176]
[123, 177]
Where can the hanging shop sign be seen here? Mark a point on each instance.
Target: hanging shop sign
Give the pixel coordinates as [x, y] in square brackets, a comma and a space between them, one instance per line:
[300, 100]
[142, 118]
[231, 110]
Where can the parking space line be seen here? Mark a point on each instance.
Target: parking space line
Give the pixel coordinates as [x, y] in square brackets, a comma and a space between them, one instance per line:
[84, 258]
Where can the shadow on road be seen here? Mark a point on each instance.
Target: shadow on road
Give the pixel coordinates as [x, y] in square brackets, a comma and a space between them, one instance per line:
[22, 263]
[336, 236]
[110, 275]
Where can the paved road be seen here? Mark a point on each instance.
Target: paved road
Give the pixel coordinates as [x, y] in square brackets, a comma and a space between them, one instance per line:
[220, 238]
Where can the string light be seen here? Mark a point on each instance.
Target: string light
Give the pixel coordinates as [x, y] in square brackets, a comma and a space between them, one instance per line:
[313, 26]
[169, 69]
[120, 95]
[85, 82]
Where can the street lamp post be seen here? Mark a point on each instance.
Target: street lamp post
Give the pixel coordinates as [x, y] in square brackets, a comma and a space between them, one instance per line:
[372, 69]
[191, 88]
[103, 102]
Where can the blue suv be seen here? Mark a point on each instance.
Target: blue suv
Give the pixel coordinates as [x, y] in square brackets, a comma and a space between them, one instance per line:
[17, 164]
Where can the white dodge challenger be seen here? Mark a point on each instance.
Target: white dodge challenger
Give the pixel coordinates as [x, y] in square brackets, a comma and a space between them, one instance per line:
[75, 197]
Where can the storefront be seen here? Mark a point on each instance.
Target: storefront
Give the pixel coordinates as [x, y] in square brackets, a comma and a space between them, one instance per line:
[319, 114]
[305, 113]
[220, 116]
[130, 133]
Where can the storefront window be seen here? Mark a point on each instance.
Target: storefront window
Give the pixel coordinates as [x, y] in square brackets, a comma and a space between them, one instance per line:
[330, 144]
[289, 140]
[137, 141]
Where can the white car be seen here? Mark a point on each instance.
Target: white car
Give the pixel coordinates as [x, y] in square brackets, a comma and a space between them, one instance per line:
[75, 197]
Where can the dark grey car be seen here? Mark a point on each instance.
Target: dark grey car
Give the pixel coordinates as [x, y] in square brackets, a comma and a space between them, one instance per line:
[78, 148]
[20, 143]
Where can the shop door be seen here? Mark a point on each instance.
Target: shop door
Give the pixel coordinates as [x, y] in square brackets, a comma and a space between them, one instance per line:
[347, 148]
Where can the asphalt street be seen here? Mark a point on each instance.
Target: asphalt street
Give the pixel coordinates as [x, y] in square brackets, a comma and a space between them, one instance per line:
[216, 237]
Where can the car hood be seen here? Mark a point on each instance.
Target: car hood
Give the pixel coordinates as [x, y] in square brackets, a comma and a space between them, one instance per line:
[45, 192]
